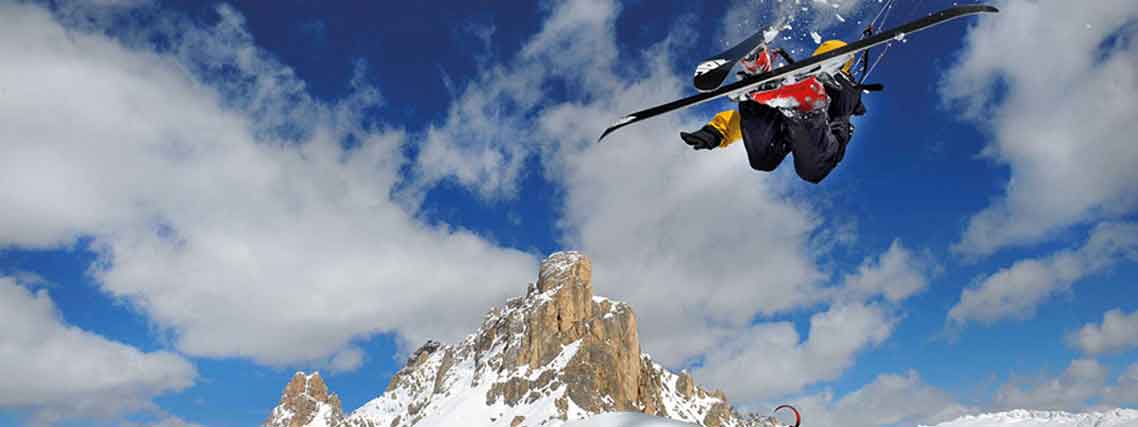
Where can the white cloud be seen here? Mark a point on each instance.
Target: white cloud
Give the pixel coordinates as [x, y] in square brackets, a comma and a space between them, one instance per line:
[703, 227]
[239, 242]
[797, 19]
[172, 421]
[1052, 80]
[60, 371]
[347, 360]
[489, 130]
[1082, 381]
[1084, 385]
[119, 3]
[897, 274]
[1015, 292]
[1125, 392]
[1118, 331]
[778, 363]
[891, 399]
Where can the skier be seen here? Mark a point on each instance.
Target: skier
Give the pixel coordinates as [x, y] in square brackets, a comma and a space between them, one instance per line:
[817, 137]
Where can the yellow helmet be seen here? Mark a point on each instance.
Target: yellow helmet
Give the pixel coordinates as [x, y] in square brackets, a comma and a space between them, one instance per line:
[830, 45]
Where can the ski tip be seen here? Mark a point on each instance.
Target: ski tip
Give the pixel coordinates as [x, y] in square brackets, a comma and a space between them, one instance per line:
[967, 10]
[976, 8]
[604, 134]
[619, 124]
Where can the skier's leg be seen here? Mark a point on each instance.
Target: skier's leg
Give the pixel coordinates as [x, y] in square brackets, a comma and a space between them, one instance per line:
[817, 150]
[759, 124]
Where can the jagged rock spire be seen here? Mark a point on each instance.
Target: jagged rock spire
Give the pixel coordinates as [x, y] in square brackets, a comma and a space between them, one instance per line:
[306, 402]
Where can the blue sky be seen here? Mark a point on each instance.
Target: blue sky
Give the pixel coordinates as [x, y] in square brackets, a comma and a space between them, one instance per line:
[204, 197]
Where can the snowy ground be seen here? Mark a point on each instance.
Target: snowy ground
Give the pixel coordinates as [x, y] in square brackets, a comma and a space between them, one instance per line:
[1115, 418]
[627, 419]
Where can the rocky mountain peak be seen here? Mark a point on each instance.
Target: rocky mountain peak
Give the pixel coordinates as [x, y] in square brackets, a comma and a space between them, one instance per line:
[303, 385]
[557, 353]
[602, 373]
[571, 269]
[306, 402]
[566, 279]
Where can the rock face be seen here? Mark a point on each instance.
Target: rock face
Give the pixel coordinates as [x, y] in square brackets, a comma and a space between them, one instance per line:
[558, 353]
[306, 403]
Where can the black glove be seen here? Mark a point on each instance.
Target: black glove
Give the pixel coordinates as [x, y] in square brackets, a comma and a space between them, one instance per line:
[704, 139]
[845, 96]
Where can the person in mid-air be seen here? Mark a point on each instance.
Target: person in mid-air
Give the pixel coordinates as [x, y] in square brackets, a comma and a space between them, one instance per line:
[810, 118]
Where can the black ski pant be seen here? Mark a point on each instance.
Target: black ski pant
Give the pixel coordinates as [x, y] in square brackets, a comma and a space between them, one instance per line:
[769, 136]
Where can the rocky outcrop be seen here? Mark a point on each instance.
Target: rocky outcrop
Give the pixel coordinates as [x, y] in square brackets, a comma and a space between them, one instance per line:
[557, 353]
[306, 402]
[604, 373]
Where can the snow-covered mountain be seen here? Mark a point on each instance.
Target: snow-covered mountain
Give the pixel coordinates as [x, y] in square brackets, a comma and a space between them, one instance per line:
[1018, 418]
[557, 354]
[627, 419]
[1022, 418]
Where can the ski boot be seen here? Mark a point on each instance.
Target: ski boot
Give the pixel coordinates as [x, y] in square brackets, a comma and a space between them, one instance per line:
[758, 61]
[803, 96]
[704, 139]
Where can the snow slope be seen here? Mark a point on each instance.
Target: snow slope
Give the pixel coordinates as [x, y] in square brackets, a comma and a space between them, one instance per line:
[1022, 418]
[627, 419]
[1017, 418]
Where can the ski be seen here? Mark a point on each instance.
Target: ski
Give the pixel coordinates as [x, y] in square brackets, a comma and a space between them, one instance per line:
[712, 71]
[805, 66]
